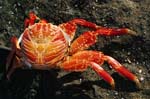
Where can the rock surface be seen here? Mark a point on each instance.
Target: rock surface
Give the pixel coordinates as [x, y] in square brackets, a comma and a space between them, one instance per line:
[133, 52]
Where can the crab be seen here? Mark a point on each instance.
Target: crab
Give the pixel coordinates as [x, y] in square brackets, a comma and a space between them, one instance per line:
[44, 45]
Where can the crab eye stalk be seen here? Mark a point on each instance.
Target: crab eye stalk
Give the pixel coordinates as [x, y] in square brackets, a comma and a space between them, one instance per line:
[32, 15]
[31, 20]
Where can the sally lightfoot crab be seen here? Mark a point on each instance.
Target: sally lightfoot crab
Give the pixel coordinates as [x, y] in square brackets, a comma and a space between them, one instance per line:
[43, 45]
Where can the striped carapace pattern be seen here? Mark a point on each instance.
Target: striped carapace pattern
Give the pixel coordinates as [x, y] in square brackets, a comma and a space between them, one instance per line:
[43, 44]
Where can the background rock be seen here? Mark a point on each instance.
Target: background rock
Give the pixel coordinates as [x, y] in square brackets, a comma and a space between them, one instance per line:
[133, 52]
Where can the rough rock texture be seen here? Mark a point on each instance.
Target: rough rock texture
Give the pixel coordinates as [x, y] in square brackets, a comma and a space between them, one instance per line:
[133, 52]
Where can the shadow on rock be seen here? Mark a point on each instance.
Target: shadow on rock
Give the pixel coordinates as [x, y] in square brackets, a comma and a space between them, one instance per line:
[25, 84]
[122, 84]
[3, 55]
[29, 84]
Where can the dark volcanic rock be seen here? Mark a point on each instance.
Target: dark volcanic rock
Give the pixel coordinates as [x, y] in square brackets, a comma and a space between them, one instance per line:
[133, 52]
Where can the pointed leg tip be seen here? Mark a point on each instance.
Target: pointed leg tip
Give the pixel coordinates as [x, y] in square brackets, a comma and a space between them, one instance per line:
[131, 32]
[137, 82]
[112, 85]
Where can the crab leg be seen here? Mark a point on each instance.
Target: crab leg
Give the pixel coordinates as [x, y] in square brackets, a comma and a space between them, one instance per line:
[83, 41]
[81, 60]
[84, 23]
[81, 65]
[89, 38]
[13, 57]
[13, 51]
[15, 64]
[71, 26]
[114, 31]
[102, 30]
[122, 70]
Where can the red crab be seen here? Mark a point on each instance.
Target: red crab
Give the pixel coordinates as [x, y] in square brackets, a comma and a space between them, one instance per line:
[43, 45]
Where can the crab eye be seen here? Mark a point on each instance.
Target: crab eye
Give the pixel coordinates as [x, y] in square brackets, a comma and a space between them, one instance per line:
[37, 20]
[32, 15]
